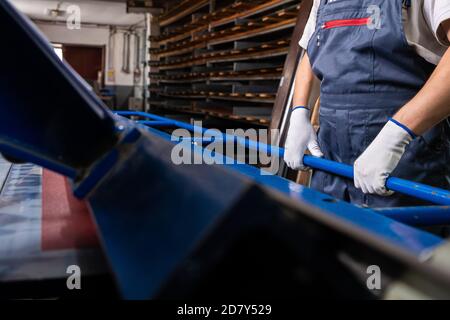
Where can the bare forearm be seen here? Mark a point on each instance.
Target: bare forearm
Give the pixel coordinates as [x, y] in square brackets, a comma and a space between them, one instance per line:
[304, 82]
[432, 104]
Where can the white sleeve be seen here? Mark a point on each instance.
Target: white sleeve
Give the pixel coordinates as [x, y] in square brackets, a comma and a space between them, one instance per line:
[436, 12]
[310, 25]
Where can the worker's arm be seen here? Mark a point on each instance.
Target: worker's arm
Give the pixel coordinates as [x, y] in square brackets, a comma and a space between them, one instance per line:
[429, 107]
[432, 103]
[301, 135]
[304, 81]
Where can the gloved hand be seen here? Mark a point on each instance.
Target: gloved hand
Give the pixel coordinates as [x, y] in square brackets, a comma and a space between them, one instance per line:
[301, 136]
[373, 167]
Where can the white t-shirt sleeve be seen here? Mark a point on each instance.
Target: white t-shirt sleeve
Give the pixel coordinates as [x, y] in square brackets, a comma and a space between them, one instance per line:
[435, 12]
[310, 25]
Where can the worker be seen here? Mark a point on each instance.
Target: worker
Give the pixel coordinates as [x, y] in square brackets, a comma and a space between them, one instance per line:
[384, 71]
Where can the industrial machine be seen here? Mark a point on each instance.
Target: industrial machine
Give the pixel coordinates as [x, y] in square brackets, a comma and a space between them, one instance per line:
[207, 231]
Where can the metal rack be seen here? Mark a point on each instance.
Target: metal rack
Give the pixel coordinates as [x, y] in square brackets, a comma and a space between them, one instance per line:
[218, 58]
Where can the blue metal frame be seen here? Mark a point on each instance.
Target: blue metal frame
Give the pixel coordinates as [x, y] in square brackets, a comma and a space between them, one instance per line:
[418, 216]
[413, 189]
[359, 216]
[146, 239]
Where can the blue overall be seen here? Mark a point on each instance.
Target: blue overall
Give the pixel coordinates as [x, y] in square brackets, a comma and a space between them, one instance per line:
[367, 74]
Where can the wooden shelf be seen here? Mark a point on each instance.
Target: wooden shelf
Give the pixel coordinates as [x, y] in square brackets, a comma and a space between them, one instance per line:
[268, 53]
[173, 81]
[281, 20]
[180, 11]
[259, 120]
[216, 64]
[285, 24]
[265, 50]
[231, 38]
[256, 99]
[202, 23]
[158, 103]
[252, 119]
[181, 36]
[258, 8]
[248, 97]
[238, 10]
[225, 78]
[178, 95]
[258, 74]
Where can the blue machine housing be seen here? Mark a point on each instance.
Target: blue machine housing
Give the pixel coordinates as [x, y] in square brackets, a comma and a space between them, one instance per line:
[57, 121]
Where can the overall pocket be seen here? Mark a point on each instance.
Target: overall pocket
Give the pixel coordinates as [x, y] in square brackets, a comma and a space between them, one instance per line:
[342, 53]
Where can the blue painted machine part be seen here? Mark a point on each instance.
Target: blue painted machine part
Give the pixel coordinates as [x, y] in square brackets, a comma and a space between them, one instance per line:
[417, 190]
[53, 130]
[387, 228]
[419, 216]
[146, 238]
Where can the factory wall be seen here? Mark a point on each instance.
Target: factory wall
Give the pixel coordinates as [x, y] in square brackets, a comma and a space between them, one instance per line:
[98, 36]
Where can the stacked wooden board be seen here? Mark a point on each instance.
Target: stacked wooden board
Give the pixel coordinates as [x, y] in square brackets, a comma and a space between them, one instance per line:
[223, 58]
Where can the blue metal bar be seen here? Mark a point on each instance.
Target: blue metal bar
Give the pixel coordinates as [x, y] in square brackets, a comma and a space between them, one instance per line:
[413, 189]
[157, 123]
[176, 123]
[415, 216]
[418, 216]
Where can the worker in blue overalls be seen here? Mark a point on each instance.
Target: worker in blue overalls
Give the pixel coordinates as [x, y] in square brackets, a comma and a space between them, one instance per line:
[384, 71]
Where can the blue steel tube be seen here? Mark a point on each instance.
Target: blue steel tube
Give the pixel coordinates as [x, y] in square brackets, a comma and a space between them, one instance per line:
[413, 189]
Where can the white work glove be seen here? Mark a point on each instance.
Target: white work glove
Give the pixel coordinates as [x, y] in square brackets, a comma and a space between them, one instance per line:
[301, 136]
[374, 166]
